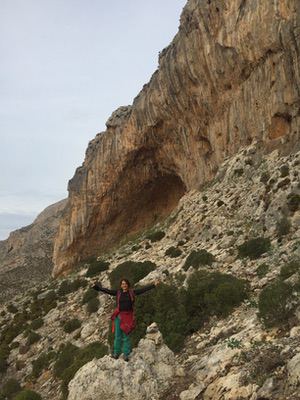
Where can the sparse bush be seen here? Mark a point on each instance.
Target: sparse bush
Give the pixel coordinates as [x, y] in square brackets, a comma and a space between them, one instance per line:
[254, 248]
[262, 270]
[71, 325]
[41, 363]
[213, 294]
[10, 388]
[27, 395]
[12, 308]
[283, 226]
[132, 270]
[136, 247]
[96, 267]
[293, 201]
[265, 176]
[89, 295]
[32, 338]
[274, 302]
[36, 323]
[173, 252]
[67, 286]
[284, 170]
[197, 258]
[93, 305]
[289, 269]
[155, 236]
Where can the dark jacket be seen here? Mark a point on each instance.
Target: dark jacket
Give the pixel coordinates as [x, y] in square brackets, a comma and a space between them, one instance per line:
[125, 299]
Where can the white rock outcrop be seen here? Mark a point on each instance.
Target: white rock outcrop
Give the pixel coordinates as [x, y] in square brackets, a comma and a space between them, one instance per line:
[147, 375]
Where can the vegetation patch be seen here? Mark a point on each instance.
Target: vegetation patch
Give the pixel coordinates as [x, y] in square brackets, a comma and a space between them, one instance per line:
[289, 269]
[96, 267]
[12, 308]
[89, 295]
[254, 248]
[36, 323]
[72, 325]
[93, 305]
[283, 227]
[293, 201]
[274, 303]
[173, 252]
[67, 286]
[42, 363]
[198, 258]
[10, 388]
[32, 338]
[155, 236]
[132, 270]
[262, 270]
[27, 395]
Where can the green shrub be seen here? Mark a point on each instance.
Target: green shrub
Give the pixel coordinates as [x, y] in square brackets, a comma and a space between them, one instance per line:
[273, 303]
[197, 258]
[36, 323]
[93, 305]
[4, 353]
[40, 307]
[71, 325]
[254, 248]
[67, 286]
[283, 226]
[173, 252]
[12, 308]
[155, 236]
[14, 345]
[132, 270]
[262, 270]
[289, 269]
[293, 201]
[27, 395]
[89, 295]
[10, 388]
[213, 294]
[12, 330]
[165, 306]
[71, 358]
[136, 247]
[41, 363]
[96, 267]
[32, 338]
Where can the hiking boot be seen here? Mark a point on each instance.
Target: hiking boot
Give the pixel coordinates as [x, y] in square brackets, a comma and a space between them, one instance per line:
[115, 356]
[126, 358]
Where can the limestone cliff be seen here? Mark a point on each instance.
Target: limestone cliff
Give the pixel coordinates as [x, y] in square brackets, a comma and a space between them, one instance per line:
[230, 75]
[26, 255]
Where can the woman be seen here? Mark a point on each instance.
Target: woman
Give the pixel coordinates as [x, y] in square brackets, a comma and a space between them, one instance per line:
[123, 321]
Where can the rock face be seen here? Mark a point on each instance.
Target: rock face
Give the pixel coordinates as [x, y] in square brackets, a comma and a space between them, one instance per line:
[147, 374]
[230, 75]
[26, 255]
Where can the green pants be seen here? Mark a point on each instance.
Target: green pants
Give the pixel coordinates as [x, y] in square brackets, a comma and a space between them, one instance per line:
[119, 337]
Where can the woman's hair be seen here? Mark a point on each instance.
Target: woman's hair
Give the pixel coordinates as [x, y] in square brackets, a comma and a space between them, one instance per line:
[126, 280]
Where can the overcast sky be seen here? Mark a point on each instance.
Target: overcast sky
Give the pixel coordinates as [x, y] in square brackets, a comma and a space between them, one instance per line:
[65, 66]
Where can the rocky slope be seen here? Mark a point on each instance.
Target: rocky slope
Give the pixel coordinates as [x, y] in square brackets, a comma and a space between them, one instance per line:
[229, 77]
[235, 357]
[26, 255]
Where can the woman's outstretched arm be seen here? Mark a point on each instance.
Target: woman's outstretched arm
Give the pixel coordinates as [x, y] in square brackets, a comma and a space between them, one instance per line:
[102, 289]
[146, 288]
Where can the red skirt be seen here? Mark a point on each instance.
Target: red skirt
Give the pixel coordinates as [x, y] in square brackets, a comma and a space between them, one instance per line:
[127, 321]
